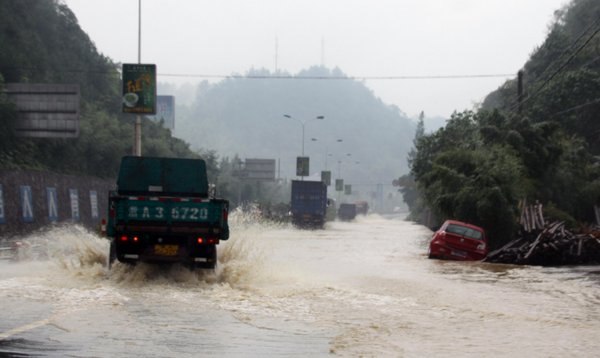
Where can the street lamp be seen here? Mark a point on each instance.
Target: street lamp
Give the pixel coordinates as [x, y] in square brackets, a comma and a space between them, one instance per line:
[340, 165]
[326, 148]
[303, 122]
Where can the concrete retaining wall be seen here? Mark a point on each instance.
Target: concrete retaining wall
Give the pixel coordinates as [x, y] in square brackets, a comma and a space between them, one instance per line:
[30, 200]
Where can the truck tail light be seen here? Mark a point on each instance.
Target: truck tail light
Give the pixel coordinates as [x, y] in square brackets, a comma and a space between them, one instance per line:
[103, 227]
[136, 239]
[225, 214]
[124, 238]
[210, 241]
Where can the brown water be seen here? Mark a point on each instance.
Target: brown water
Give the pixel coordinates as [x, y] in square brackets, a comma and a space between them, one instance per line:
[363, 288]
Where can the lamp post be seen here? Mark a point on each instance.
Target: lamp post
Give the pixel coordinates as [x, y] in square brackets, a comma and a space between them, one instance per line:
[137, 140]
[326, 148]
[340, 165]
[303, 123]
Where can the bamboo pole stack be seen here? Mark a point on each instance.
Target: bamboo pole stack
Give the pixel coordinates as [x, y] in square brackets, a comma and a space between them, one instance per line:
[552, 246]
[548, 244]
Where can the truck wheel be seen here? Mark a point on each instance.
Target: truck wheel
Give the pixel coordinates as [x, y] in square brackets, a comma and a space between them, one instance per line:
[211, 262]
[112, 254]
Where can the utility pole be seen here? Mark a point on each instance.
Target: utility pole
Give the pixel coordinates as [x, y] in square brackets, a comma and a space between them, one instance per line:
[137, 150]
[520, 90]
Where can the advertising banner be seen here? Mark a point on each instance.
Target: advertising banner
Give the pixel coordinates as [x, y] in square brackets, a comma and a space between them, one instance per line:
[52, 204]
[347, 189]
[339, 184]
[26, 203]
[139, 88]
[74, 199]
[302, 164]
[94, 204]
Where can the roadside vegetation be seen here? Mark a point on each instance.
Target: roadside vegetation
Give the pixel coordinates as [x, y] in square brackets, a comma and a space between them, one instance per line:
[483, 163]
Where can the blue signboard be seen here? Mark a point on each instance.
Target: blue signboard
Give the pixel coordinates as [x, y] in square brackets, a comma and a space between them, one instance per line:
[2, 218]
[52, 204]
[74, 199]
[94, 204]
[26, 203]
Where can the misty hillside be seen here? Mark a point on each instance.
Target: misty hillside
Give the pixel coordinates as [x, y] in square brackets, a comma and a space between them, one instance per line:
[245, 116]
[561, 79]
[41, 42]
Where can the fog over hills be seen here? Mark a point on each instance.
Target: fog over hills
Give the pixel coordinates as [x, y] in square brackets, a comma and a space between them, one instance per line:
[244, 116]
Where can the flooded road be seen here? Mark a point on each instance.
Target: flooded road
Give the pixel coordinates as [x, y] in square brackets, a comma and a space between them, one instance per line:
[363, 288]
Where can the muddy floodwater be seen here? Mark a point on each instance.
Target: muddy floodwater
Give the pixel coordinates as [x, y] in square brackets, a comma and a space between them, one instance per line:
[363, 288]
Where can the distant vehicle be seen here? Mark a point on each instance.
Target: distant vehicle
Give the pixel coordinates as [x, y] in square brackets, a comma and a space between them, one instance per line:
[456, 240]
[309, 204]
[162, 213]
[362, 207]
[347, 212]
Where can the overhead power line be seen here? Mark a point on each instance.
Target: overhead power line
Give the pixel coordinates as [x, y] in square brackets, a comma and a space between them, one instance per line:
[574, 108]
[538, 90]
[291, 77]
[283, 77]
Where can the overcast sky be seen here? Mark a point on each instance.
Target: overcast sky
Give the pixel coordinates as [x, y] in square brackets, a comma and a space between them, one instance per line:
[375, 38]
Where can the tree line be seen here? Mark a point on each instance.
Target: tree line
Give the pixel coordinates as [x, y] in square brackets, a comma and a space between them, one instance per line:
[540, 146]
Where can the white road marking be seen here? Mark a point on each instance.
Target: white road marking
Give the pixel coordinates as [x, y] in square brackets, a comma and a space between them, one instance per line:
[24, 328]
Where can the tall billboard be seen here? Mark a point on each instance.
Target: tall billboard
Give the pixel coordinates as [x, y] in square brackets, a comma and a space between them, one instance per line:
[347, 189]
[339, 185]
[165, 111]
[139, 88]
[45, 110]
[302, 166]
[259, 169]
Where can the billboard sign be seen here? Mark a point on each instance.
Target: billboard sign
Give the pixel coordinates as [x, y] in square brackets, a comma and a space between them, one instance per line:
[302, 166]
[347, 189]
[139, 88]
[339, 184]
[45, 110]
[165, 111]
[326, 177]
[259, 169]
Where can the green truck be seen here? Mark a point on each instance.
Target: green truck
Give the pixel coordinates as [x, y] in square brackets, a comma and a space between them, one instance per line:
[161, 212]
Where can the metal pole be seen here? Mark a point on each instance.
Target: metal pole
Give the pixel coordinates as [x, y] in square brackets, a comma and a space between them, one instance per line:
[302, 138]
[520, 90]
[138, 118]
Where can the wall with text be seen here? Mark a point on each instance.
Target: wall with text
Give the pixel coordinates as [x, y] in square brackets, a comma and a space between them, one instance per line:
[30, 200]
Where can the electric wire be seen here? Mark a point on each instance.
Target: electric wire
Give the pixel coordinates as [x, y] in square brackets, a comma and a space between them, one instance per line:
[285, 77]
[538, 90]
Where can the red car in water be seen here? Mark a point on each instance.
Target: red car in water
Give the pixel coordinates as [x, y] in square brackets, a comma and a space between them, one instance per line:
[456, 240]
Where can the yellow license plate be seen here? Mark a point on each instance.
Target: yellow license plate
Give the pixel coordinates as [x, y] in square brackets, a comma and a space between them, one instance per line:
[166, 250]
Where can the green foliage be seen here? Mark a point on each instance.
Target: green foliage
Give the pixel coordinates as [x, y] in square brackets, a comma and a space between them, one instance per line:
[42, 42]
[555, 137]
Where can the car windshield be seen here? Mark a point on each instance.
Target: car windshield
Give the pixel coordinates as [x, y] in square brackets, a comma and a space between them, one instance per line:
[465, 231]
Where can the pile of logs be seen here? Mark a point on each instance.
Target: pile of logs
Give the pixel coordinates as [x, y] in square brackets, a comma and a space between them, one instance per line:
[552, 245]
[532, 216]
